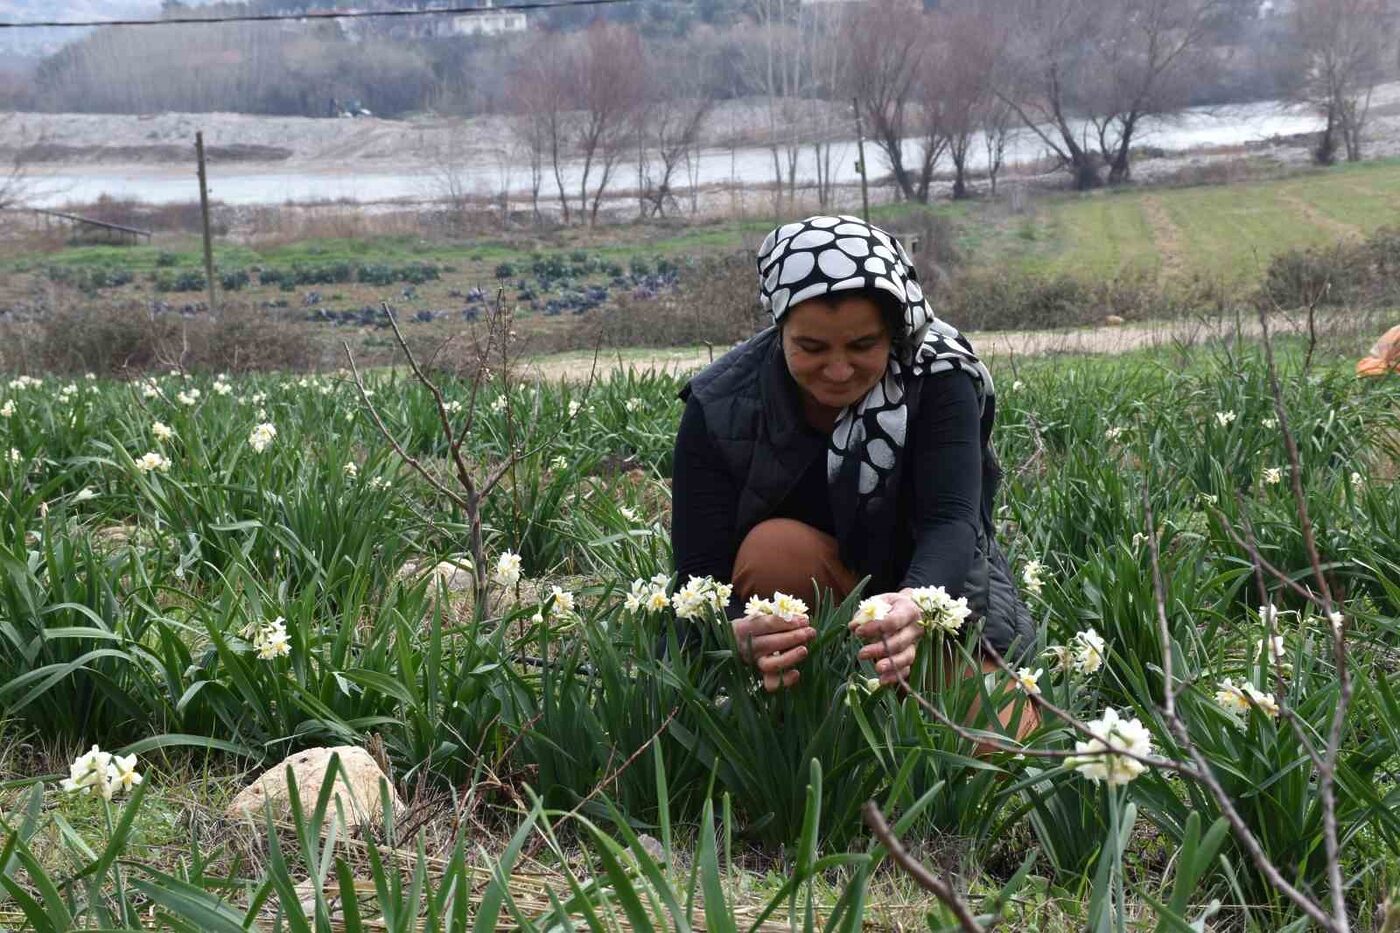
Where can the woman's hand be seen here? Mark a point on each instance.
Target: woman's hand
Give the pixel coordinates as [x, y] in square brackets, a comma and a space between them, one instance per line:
[891, 643]
[775, 646]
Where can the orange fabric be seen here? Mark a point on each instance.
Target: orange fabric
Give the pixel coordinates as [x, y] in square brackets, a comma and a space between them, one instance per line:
[784, 555]
[1384, 357]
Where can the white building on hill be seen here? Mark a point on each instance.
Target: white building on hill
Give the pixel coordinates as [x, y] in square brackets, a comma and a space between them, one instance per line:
[489, 22]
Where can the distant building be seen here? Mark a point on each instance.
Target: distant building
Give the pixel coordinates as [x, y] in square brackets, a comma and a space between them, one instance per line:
[489, 22]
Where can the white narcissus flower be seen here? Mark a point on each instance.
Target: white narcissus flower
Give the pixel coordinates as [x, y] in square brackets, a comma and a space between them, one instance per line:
[162, 432]
[84, 494]
[559, 462]
[122, 775]
[1062, 657]
[629, 514]
[153, 462]
[574, 406]
[1029, 680]
[499, 405]
[938, 610]
[1088, 651]
[379, 482]
[788, 607]
[561, 601]
[634, 404]
[1031, 576]
[187, 397]
[88, 772]
[1113, 434]
[758, 606]
[1273, 476]
[1224, 418]
[222, 388]
[351, 469]
[1357, 480]
[1238, 699]
[15, 456]
[1102, 758]
[1017, 386]
[699, 594]
[271, 640]
[262, 436]
[872, 610]
[149, 389]
[8, 409]
[657, 601]
[1270, 423]
[507, 568]
[452, 406]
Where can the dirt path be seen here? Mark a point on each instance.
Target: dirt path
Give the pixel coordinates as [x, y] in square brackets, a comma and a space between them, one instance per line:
[993, 346]
[1337, 228]
[1166, 235]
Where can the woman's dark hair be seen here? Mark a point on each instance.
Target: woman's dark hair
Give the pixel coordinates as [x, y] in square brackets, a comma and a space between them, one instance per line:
[891, 311]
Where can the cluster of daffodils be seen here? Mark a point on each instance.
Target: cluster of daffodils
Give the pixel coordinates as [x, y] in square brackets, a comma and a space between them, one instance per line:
[1273, 476]
[262, 436]
[1225, 418]
[698, 594]
[15, 455]
[1113, 434]
[20, 383]
[575, 406]
[1357, 480]
[269, 639]
[221, 385]
[634, 404]
[938, 610]
[500, 404]
[648, 595]
[1103, 757]
[452, 406]
[188, 396]
[162, 432]
[1033, 577]
[1084, 654]
[351, 469]
[781, 605]
[7, 410]
[1238, 698]
[102, 773]
[153, 462]
[507, 571]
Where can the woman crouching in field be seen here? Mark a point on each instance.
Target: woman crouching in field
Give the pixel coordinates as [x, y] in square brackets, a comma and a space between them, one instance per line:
[849, 439]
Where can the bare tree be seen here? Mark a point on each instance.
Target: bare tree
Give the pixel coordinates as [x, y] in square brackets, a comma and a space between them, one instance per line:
[1342, 44]
[1149, 54]
[957, 83]
[14, 169]
[669, 130]
[996, 127]
[773, 62]
[542, 96]
[886, 46]
[611, 90]
[1048, 44]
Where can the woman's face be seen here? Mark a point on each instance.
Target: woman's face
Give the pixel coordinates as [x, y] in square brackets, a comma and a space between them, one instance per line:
[836, 353]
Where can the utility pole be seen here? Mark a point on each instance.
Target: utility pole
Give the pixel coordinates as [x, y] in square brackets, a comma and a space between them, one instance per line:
[860, 164]
[204, 212]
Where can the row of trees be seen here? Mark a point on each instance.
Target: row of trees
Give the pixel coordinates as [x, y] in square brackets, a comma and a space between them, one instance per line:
[1081, 76]
[933, 87]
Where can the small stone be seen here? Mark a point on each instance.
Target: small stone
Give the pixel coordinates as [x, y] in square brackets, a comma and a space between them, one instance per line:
[1113, 320]
[357, 787]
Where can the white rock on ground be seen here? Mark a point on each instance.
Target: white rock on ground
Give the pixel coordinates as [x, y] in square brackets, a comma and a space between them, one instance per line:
[357, 788]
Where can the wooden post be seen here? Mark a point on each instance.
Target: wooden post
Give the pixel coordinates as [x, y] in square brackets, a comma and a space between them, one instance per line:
[860, 154]
[204, 212]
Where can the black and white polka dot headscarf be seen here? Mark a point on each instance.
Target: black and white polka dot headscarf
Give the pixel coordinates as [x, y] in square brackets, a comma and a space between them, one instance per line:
[825, 254]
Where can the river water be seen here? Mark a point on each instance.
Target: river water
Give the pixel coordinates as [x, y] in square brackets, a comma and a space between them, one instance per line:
[246, 184]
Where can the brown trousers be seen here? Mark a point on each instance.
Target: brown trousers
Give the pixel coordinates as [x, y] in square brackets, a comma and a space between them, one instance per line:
[785, 555]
